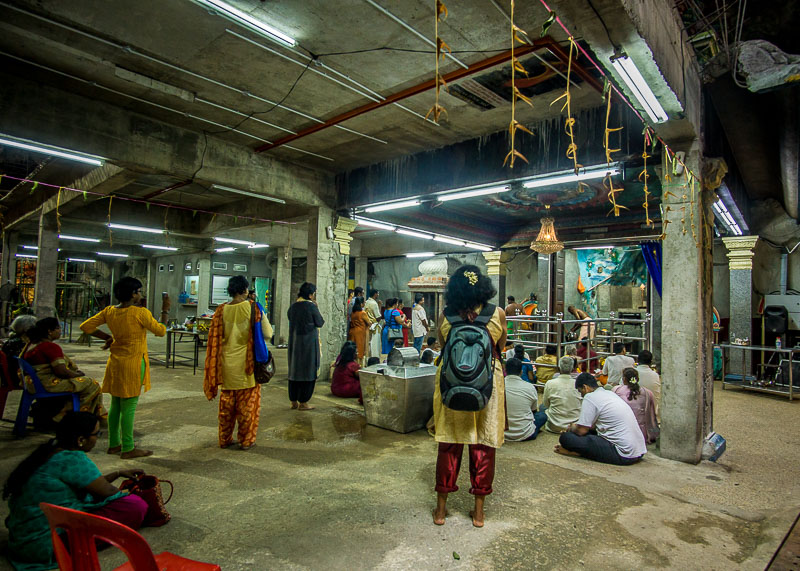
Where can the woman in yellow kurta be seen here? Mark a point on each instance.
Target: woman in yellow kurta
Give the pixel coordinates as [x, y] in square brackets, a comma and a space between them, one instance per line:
[128, 367]
[230, 363]
[468, 292]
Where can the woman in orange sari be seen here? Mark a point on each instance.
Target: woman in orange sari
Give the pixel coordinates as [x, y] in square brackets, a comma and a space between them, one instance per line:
[359, 327]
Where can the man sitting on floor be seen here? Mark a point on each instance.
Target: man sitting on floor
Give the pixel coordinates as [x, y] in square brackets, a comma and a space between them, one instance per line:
[584, 353]
[649, 379]
[561, 401]
[522, 403]
[615, 364]
[606, 431]
[550, 368]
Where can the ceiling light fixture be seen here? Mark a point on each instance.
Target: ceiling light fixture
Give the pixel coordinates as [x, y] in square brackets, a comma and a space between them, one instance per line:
[724, 215]
[630, 74]
[134, 228]
[26, 255]
[112, 254]
[547, 242]
[373, 224]
[563, 177]
[414, 233]
[222, 250]
[77, 238]
[247, 193]
[52, 151]
[254, 246]
[392, 206]
[447, 240]
[593, 247]
[478, 247]
[420, 255]
[246, 20]
[472, 193]
[30, 247]
[154, 247]
[234, 241]
[81, 260]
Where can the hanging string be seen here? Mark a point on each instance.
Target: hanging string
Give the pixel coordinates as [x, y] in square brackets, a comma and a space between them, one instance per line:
[108, 225]
[58, 214]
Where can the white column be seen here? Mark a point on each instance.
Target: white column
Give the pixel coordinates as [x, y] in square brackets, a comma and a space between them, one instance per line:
[283, 293]
[203, 283]
[44, 291]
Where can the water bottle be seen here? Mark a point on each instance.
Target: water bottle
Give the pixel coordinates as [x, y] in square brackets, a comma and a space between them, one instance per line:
[777, 342]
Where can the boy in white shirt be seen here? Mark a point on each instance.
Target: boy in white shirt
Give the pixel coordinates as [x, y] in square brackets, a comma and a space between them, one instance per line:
[522, 403]
[615, 364]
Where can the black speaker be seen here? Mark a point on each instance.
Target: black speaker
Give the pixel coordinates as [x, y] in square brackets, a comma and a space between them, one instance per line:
[776, 319]
[783, 373]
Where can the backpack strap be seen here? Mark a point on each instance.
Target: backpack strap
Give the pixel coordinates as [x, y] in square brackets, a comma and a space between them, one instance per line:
[453, 316]
[485, 316]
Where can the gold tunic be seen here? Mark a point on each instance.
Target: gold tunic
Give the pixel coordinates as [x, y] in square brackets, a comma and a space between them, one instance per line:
[485, 426]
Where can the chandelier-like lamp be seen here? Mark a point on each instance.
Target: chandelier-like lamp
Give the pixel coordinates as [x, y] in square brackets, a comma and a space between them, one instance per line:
[547, 242]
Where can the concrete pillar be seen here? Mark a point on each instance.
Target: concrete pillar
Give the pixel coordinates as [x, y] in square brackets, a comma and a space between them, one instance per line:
[8, 266]
[328, 258]
[496, 270]
[44, 291]
[543, 286]
[203, 283]
[360, 277]
[740, 264]
[283, 296]
[687, 389]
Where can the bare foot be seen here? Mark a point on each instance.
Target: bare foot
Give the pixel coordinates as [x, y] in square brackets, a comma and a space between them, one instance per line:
[246, 446]
[559, 450]
[294, 404]
[477, 518]
[136, 453]
[114, 450]
[305, 407]
[439, 517]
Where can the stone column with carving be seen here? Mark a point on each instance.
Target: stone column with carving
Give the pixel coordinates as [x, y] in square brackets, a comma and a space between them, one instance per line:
[496, 270]
[740, 265]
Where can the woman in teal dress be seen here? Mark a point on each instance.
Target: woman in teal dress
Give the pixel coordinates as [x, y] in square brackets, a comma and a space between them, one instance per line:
[59, 472]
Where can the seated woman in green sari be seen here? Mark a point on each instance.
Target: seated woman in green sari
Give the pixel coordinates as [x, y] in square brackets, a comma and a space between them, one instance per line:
[59, 472]
[57, 371]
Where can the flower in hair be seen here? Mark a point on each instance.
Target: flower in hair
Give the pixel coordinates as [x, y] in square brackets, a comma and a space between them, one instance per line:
[472, 277]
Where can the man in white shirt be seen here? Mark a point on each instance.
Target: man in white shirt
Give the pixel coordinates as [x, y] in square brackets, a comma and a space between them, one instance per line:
[373, 310]
[561, 401]
[615, 364]
[606, 431]
[419, 321]
[649, 379]
[522, 402]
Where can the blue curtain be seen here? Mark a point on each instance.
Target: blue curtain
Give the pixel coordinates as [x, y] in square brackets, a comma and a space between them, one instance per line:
[652, 257]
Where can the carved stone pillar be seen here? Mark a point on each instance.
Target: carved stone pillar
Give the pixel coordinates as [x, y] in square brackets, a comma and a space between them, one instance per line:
[740, 265]
[496, 270]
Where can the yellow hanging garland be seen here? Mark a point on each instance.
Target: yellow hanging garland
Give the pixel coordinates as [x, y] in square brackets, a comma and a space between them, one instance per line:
[569, 123]
[608, 182]
[516, 94]
[441, 48]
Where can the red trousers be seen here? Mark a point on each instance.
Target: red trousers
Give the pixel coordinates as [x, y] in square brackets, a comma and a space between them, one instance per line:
[481, 468]
[242, 406]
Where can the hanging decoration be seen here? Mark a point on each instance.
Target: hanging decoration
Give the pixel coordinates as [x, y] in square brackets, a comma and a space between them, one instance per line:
[517, 34]
[569, 123]
[608, 181]
[441, 49]
[58, 207]
[108, 220]
[547, 242]
[643, 176]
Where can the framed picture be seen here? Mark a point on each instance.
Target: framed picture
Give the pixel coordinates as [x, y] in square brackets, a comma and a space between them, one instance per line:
[161, 267]
[219, 266]
[172, 267]
[239, 267]
[188, 266]
[197, 267]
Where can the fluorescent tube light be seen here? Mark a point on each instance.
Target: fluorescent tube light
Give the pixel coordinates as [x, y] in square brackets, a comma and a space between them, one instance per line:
[392, 206]
[30, 247]
[154, 247]
[593, 248]
[112, 254]
[563, 177]
[78, 238]
[447, 240]
[471, 193]
[420, 255]
[374, 224]
[81, 260]
[630, 74]
[254, 246]
[52, 151]
[480, 247]
[26, 255]
[233, 241]
[135, 228]
[414, 233]
[221, 250]
[247, 193]
[246, 20]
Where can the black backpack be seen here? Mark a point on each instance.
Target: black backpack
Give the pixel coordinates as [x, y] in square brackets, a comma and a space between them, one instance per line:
[467, 361]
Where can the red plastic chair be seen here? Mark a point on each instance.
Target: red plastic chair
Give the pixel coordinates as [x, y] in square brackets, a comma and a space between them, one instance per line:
[82, 531]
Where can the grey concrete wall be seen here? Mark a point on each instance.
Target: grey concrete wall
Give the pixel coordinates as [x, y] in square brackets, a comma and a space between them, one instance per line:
[571, 275]
[522, 275]
[721, 280]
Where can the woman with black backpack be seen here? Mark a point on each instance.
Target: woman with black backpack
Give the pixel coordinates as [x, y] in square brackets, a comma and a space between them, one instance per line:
[469, 397]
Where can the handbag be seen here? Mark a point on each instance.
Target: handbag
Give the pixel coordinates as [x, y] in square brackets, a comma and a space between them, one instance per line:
[263, 361]
[394, 334]
[148, 488]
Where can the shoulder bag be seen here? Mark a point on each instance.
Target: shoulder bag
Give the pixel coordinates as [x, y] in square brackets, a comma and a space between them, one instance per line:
[263, 361]
[148, 488]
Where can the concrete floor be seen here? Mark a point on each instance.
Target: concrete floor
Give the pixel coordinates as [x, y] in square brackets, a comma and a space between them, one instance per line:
[322, 490]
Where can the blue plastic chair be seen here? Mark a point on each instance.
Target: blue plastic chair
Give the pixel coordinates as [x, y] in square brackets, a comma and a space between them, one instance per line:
[25, 403]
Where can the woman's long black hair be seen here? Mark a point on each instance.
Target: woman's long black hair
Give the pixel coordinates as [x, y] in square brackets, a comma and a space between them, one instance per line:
[631, 378]
[468, 288]
[348, 353]
[42, 329]
[74, 425]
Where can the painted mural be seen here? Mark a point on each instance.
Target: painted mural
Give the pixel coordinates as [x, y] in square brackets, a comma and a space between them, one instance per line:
[612, 266]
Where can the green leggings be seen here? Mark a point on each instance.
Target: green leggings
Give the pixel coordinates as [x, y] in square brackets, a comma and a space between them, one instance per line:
[120, 420]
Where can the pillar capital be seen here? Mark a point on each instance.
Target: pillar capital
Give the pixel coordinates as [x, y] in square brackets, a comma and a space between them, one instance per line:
[494, 267]
[341, 234]
[740, 251]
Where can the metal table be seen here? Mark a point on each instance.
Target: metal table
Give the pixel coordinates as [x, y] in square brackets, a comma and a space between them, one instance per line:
[749, 383]
[175, 338]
